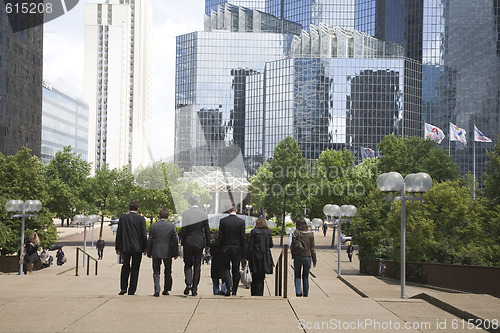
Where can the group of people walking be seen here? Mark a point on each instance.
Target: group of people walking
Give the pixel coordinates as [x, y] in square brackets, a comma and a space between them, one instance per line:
[228, 249]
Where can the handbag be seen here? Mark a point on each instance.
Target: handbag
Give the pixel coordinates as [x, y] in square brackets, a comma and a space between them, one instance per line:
[246, 276]
[21, 258]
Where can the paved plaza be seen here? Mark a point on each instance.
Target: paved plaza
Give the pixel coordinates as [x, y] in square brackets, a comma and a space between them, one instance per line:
[55, 300]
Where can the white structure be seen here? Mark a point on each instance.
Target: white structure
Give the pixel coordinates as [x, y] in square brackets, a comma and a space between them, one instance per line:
[117, 82]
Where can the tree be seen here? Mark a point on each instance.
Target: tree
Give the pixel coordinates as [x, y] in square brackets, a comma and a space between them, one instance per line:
[289, 175]
[258, 186]
[415, 154]
[22, 179]
[492, 175]
[66, 175]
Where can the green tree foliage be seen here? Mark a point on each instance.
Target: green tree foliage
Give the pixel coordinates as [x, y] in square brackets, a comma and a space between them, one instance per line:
[66, 175]
[23, 179]
[492, 175]
[258, 186]
[415, 154]
[289, 175]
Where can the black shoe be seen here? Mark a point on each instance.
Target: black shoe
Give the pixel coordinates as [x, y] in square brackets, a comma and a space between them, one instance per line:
[156, 295]
[129, 293]
[187, 290]
[122, 292]
[165, 292]
[194, 292]
[233, 293]
[298, 294]
[228, 292]
[221, 293]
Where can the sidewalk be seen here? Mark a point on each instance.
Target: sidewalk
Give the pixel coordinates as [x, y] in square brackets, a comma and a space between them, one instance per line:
[59, 301]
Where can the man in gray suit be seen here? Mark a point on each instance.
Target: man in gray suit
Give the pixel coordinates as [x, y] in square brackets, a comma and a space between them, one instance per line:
[194, 235]
[162, 246]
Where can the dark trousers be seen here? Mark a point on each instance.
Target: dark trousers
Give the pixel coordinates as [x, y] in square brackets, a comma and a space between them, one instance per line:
[257, 287]
[231, 257]
[130, 271]
[167, 263]
[99, 253]
[192, 266]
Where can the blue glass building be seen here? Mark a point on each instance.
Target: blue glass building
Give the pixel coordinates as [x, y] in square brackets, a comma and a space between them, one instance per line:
[65, 121]
[458, 44]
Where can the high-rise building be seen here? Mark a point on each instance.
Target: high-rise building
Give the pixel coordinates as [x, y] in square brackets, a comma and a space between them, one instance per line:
[21, 58]
[65, 121]
[117, 82]
[327, 94]
[243, 84]
[211, 71]
[458, 44]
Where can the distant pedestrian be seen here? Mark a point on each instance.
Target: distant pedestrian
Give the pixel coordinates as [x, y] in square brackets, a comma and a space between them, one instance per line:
[194, 235]
[61, 259]
[325, 228]
[162, 246]
[217, 268]
[350, 250]
[302, 259]
[45, 258]
[31, 255]
[100, 248]
[232, 238]
[259, 255]
[131, 242]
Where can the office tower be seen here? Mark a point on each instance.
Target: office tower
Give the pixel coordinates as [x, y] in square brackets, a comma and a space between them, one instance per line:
[65, 121]
[337, 89]
[458, 44]
[304, 12]
[21, 58]
[117, 82]
[211, 67]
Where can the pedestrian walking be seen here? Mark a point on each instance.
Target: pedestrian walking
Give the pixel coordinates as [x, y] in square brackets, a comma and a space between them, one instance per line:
[232, 238]
[131, 242]
[259, 255]
[194, 235]
[162, 247]
[217, 268]
[100, 248]
[31, 255]
[350, 250]
[302, 258]
[61, 258]
[325, 228]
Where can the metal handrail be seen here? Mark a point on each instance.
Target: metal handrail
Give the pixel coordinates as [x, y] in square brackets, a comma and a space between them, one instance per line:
[88, 261]
[280, 277]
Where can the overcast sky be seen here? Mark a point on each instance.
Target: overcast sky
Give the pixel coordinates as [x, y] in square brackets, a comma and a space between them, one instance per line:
[63, 59]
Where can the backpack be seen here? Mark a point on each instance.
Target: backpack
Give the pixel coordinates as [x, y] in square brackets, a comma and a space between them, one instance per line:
[298, 244]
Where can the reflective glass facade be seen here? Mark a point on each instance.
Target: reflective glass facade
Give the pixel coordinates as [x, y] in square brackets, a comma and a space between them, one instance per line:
[211, 71]
[330, 103]
[458, 43]
[65, 122]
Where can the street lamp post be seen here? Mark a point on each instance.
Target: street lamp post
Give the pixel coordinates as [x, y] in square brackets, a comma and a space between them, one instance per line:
[26, 209]
[346, 211]
[393, 182]
[206, 206]
[86, 221]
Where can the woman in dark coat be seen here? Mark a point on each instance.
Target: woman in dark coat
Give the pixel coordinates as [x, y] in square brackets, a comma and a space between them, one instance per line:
[217, 268]
[31, 255]
[259, 256]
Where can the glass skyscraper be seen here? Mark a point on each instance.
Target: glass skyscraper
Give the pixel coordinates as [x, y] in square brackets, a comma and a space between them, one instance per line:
[65, 122]
[243, 85]
[458, 44]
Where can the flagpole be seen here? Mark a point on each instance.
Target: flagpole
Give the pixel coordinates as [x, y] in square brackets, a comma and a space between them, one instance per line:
[474, 166]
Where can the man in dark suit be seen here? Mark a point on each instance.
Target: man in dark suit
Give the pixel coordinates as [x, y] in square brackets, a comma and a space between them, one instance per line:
[131, 242]
[162, 246]
[232, 238]
[195, 235]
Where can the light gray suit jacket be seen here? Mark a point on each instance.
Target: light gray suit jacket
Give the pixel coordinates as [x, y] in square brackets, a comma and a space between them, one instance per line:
[162, 241]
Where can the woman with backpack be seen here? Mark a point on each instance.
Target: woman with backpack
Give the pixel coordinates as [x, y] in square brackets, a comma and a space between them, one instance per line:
[303, 254]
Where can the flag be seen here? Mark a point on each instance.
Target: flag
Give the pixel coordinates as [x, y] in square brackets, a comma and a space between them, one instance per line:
[367, 153]
[478, 136]
[457, 134]
[434, 133]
